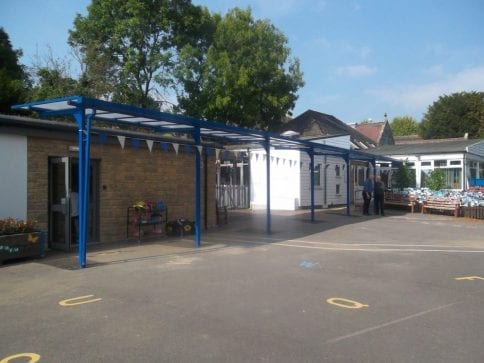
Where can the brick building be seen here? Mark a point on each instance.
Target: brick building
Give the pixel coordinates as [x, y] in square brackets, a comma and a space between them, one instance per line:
[39, 162]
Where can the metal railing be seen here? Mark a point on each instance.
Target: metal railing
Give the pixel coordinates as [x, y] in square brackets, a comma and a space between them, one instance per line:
[233, 196]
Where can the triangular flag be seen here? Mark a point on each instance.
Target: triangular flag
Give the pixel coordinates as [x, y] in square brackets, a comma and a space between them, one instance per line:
[176, 146]
[208, 151]
[217, 153]
[122, 140]
[187, 149]
[164, 146]
[135, 142]
[102, 138]
[200, 148]
[226, 154]
[150, 144]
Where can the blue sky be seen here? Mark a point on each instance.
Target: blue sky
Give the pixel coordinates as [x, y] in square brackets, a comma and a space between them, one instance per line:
[360, 58]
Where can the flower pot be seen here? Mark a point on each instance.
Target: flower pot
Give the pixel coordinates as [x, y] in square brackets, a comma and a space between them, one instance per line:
[21, 245]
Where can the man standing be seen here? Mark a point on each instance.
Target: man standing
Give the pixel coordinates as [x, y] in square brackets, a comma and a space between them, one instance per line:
[367, 190]
[379, 195]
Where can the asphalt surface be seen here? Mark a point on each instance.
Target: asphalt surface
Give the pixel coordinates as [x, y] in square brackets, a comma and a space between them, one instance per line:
[400, 288]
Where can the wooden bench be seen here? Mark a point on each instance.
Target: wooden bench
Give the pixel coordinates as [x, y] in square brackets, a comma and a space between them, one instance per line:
[442, 204]
[406, 200]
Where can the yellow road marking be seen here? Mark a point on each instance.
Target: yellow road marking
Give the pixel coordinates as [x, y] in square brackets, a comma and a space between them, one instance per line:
[75, 301]
[471, 278]
[346, 303]
[33, 357]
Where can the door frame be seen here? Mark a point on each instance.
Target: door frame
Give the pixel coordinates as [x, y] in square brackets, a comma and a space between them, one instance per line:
[71, 180]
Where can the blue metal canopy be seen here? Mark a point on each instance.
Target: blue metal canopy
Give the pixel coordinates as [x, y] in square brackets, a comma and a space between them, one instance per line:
[203, 132]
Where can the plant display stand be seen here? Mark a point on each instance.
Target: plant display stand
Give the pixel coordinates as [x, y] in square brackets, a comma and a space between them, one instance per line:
[13, 246]
[145, 221]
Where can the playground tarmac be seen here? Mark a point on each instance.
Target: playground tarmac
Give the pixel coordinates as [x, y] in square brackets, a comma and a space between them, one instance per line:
[400, 288]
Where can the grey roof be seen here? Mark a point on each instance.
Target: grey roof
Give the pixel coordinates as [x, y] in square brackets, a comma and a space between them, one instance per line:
[317, 125]
[428, 147]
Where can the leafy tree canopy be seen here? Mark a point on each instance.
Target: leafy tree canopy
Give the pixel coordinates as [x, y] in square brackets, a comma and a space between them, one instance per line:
[404, 177]
[454, 115]
[404, 126]
[128, 46]
[246, 77]
[13, 78]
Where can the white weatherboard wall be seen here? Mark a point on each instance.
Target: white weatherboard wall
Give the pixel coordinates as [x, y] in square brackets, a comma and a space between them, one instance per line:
[13, 178]
[285, 181]
[290, 180]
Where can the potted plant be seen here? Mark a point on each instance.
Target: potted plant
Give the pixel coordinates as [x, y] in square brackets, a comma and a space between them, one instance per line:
[20, 239]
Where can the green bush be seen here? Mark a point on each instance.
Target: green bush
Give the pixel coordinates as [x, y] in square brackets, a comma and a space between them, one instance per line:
[435, 180]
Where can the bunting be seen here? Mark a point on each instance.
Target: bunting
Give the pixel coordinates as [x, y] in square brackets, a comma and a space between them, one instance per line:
[176, 146]
[164, 146]
[217, 154]
[102, 138]
[150, 144]
[200, 148]
[122, 140]
[136, 143]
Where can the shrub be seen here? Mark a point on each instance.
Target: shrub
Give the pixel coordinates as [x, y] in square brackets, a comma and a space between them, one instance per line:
[13, 226]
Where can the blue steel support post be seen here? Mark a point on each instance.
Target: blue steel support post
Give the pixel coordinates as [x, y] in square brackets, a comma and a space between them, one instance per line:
[311, 182]
[348, 182]
[84, 140]
[267, 146]
[198, 187]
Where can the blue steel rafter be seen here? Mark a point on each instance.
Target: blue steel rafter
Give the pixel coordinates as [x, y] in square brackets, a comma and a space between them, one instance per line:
[85, 110]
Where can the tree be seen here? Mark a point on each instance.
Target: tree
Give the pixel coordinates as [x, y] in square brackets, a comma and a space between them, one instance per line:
[435, 180]
[14, 81]
[246, 77]
[454, 115]
[404, 177]
[128, 46]
[404, 126]
[52, 79]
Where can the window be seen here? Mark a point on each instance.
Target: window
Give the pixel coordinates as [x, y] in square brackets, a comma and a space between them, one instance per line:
[317, 175]
[338, 189]
[455, 162]
[426, 163]
[361, 176]
[337, 170]
[410, 163]
[452, 178]
[440, 163]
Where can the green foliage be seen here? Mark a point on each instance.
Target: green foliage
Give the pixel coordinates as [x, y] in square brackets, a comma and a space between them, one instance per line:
[435, 180]
[245, 77]
[14, 80]
[454, 115]
[404, 126]
[129, 46]
[404, 177]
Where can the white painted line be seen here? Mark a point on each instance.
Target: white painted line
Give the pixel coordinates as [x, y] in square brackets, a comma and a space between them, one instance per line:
[393, 322]
[375, 249]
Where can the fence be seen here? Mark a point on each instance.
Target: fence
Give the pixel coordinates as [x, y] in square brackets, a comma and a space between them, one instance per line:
[233, 196]
[476, 212]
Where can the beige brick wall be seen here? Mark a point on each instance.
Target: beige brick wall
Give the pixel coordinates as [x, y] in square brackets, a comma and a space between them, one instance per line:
[126, 176]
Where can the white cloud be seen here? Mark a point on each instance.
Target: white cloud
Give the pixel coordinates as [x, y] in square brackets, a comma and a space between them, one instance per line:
[435, 71]
[360, 70]
[417, 97]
